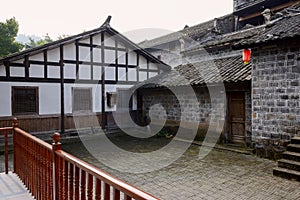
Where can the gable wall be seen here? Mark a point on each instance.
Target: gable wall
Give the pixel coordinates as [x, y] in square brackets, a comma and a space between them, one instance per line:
[139, 69]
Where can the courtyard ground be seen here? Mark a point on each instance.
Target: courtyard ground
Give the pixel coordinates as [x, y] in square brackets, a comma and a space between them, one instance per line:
[220, 175]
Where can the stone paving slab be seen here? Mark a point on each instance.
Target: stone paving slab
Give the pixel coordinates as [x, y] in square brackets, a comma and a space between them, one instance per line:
[12, 188]
[220, 175]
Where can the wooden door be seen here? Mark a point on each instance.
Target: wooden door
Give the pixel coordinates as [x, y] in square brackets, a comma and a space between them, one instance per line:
[236, 118]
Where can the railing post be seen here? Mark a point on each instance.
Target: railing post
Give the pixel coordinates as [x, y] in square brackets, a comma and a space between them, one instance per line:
[6, 151]
[15, 124]
[56, 146]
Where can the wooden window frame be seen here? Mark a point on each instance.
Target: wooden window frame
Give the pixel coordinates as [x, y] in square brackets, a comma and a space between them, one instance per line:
[91, 100]
[111, 99]
[36, 100]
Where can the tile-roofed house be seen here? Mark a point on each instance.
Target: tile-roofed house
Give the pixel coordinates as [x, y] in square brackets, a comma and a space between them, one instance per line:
[48, 86]
[286, 27]
[202, 76]
[194, 64]
[275, 55]
[169, 46]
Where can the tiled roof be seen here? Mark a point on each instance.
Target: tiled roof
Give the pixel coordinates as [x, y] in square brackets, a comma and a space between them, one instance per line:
[287, 27]
[193, 32]
[228, 39]
[104, 28]
[231, 69]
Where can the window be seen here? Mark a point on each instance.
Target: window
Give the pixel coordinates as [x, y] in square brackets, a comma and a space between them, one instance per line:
[82, 99]
[111, 99]
[122, 99]
[24, 100]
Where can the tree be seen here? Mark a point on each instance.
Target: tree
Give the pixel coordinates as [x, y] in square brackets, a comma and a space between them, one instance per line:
[8, 33]
[33, 43]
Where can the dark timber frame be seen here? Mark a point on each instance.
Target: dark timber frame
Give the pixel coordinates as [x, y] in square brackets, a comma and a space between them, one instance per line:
[11, 62]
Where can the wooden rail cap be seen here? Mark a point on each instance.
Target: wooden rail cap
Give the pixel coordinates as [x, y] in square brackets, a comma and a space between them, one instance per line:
[56, 145]
[15, 123]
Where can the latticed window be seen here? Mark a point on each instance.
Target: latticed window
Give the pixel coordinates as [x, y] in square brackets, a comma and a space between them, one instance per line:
[82, 99]
[24, 100]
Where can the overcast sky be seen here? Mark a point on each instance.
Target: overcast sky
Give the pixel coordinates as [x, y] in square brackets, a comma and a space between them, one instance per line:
[57, 17]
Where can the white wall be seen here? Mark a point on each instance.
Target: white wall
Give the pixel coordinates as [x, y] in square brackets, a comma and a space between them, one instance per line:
[49, 93]
[49, 98]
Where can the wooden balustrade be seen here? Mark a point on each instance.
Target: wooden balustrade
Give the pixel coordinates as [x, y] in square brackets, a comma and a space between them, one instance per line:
[50, 173]
[5, 136]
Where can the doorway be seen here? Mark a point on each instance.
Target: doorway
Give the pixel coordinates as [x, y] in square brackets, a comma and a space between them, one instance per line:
[236, 118]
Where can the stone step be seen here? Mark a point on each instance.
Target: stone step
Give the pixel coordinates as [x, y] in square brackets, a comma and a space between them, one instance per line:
[295, 140]
[286, 173]
[294, 148]
[288, 155]
[289, 164]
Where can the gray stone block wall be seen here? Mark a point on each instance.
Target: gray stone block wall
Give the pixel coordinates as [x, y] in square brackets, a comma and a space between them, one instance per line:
[276, 93]
[205, 113]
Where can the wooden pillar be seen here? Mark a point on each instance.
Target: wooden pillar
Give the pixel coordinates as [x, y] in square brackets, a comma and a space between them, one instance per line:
[26, 64]
[62, 90]
[56, 146]
[92, 57]
[103, 118]
[45, 64]
[7, 69]
[126, 63]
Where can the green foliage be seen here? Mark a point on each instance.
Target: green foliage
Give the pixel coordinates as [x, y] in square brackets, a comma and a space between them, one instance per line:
[8, 33]
[45, 40]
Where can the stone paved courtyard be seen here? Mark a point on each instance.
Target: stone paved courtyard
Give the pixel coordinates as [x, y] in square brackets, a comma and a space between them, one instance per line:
[220, 175]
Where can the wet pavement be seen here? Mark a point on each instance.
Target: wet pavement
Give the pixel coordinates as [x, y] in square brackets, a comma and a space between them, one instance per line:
[220, 175]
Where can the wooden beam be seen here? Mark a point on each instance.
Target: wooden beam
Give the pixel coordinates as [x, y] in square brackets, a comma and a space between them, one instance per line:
[98, 64]
[69, 81]
[7, 69]
[116, 61]
[147, 69]
[35, 62]
[126, 63]
[62, 89]
[26, 64]
[103, 118]
[92, 57]
[138, 67]
[45, 64]
[11, 64]
[272, 10]
[100, 47]
[77, 58]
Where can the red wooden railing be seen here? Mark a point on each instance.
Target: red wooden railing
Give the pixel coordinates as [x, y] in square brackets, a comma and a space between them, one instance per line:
[51, 173]
[5, 132]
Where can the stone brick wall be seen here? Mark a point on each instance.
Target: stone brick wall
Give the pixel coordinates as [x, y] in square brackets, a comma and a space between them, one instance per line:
[276, 93]
[205, 113]
[248, 109]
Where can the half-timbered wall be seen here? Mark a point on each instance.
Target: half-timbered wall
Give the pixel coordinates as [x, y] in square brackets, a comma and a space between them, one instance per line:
[83, 62]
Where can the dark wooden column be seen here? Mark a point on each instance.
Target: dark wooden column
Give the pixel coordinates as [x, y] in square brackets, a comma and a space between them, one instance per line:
[62, 90]
[7, 69]
[26, 64]
[103, 114]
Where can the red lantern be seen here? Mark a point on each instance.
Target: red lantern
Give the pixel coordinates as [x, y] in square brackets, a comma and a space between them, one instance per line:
[246, 56]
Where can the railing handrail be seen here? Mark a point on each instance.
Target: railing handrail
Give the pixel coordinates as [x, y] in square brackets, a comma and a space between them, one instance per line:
[33, 138]
[6, 128]
[107, 178]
